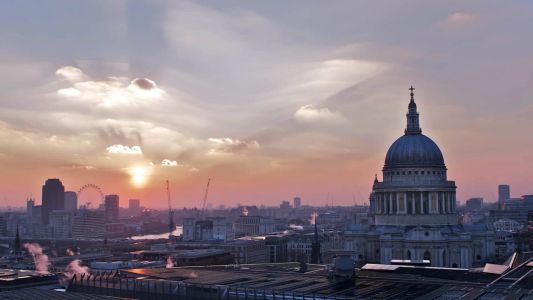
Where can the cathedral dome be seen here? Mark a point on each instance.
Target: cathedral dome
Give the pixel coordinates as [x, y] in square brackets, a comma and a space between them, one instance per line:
[414, 150]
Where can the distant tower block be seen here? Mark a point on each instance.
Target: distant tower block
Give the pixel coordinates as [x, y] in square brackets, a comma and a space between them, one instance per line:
[297, 202]
[504, 193]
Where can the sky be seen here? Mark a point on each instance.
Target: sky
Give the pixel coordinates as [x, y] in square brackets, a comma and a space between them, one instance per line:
[269, 99]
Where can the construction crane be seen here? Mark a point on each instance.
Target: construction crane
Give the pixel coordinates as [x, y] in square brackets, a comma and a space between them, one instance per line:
[205, 198]
[171, 225]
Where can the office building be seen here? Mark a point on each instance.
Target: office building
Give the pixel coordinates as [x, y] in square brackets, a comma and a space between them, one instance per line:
[285, 205]
[88, 224]
[71, 201]
[61, 223]
[30, 204]
[134, 207]
[53, 198]
[474, 204]
[253, 225]
[111, 207]
[504, 193]
[212, 229]
[297, 202]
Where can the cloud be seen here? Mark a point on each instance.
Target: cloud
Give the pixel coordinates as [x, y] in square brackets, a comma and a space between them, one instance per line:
[228, 145]
[69, 92]
[459, 20]
[121, 149]
[70, 73]
[309, 113]
[169, 163]
[110, 92]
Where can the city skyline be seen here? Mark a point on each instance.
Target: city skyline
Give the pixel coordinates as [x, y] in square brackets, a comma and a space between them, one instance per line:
[265, 102]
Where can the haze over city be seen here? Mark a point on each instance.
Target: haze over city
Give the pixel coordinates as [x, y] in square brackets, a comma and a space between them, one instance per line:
[269, 103]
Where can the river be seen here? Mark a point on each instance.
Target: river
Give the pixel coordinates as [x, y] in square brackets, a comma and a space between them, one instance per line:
[177, 232]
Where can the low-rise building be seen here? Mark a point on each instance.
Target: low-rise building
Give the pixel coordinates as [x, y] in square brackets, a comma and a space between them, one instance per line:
[253, 225]
[247, 251]
[507, 225]
[217, 228]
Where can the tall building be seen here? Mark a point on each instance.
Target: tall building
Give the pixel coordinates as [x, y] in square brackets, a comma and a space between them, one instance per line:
[71, 201]
[53, 198]
[134, 207]
[504, 193]
[297, 202]
[30, 204]
[111, 207]
[414, 209]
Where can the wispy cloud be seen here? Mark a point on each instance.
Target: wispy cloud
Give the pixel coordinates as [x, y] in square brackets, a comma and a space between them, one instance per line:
[229, 145]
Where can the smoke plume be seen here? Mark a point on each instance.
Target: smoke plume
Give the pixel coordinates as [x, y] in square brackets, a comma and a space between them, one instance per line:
[170, 262]
[75, 268]
[39, 259]
[312, 218]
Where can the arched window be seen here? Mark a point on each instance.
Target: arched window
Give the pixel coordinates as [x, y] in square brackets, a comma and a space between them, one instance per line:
[443, 258]
[427, 255]
[408, 254]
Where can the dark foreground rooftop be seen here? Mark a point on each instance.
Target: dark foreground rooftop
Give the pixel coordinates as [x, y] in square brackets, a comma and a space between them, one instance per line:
[286, 281]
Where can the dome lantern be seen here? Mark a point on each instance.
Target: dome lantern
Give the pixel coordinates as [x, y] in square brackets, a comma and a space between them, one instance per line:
[413, 125]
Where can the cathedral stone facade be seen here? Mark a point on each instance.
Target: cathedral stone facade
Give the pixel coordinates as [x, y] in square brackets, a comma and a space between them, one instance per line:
[414, 209]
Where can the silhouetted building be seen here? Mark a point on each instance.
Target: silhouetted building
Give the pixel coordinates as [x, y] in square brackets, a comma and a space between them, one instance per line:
[53, 198]
[504, 193]
[30, 203]
[474, 204]
[297, 202]
[285, 205]
[3, 225]
[134, 207]
[36, 214]
[71, 201]
[111, 207]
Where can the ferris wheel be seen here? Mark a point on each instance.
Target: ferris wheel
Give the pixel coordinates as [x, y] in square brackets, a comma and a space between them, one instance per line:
[91, 187]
